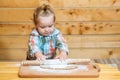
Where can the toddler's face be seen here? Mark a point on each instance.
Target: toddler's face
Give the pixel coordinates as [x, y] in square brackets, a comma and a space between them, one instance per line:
[45, 25]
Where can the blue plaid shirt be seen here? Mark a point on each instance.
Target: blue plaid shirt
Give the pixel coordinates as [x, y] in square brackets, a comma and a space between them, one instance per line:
[47, 45]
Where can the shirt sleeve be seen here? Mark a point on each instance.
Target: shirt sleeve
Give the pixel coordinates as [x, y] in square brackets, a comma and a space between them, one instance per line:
[61, 43]
[34, 44]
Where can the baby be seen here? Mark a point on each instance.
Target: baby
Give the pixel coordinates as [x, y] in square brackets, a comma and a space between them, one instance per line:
[45, 39]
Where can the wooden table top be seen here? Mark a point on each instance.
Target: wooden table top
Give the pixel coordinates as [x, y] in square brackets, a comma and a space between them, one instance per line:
[9, 71]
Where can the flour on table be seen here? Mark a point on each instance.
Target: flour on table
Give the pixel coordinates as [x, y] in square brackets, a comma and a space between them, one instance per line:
[80, 67]
[57, 66]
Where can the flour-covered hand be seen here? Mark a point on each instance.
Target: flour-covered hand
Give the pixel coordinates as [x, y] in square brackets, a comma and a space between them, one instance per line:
[40, 56]
[62, 56]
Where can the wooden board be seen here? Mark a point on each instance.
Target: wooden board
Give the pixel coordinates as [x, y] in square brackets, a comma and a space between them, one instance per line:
[29, 71]
[9, 71]
[68, 28]
[92, 53]
[74, 41]
[59, 3]
[81, 14]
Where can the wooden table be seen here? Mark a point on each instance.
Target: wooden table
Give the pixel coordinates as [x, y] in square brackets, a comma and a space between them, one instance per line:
[9, 71]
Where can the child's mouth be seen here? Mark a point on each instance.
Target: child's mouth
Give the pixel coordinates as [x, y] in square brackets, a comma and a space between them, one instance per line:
[46, 33]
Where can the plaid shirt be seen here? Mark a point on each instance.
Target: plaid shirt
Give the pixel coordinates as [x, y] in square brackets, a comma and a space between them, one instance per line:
[46, 45]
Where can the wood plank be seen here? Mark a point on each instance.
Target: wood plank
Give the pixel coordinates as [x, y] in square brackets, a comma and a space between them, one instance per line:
[115, 60]
[74, 41]
[95, 53]
[16, 15]
[16, 29]
[19, 3]
[84, 3]
[81, 14]
[68, 28]
[87, 14]
[94, 44]
[13, 54]
[107, 72]
[59, 3]
[13, 41]
[92, 38]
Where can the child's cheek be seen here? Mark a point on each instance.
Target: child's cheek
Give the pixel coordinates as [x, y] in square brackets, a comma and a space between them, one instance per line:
[52, 29]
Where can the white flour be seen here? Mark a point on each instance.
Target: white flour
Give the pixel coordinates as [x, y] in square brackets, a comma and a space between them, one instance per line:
[50, 66]
[55, 66]
[80, 67]
[55, 62]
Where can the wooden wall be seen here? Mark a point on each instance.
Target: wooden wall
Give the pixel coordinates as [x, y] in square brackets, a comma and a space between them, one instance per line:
[91, 27]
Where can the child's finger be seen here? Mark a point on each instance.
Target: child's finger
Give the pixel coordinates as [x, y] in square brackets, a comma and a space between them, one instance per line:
[61, 59]
[57, 57]
[43, 59]
[38, 59]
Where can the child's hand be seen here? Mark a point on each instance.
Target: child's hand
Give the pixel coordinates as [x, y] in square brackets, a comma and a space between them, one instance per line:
[62, 56]
[40, 56]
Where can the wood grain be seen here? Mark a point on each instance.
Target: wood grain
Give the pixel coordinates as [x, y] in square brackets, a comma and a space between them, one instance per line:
[10, 69]
[95, 53]
[13, 54]
[91, 27]
[90, 72]
[92, 53]
[68, 28]
[73, 41]
[84, 3]
[81, 14]
[59, 3]
[19, 3]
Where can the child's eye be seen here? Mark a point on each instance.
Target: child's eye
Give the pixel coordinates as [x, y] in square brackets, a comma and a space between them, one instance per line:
[50, 26]
[42, 27]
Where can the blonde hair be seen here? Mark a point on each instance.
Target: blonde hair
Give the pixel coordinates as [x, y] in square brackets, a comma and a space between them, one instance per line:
[43, 10]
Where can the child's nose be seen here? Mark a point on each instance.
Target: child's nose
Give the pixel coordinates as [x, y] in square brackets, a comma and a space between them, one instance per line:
[47, 29]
